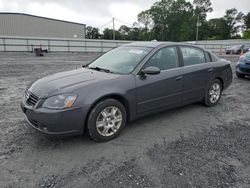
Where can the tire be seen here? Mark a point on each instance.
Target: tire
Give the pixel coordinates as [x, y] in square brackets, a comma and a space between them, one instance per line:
[103, 121]
[212, 95]
[239, 75]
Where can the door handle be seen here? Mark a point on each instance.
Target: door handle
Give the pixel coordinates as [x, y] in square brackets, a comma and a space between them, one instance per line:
[210, 70]
[178, 78]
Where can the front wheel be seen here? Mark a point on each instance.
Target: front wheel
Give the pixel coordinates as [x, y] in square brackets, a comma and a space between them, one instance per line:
[106, 120]
[213, 93]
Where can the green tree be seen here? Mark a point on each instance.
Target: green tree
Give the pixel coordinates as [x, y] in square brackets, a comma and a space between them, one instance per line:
[145, 22]
[171, 20]
[226, 27]
[92, 33]
[124, 32]
[218, 29]
[108, 34]
[135, 34]
[234, 21]
[246, 34]
[202, 7]
[247, 21]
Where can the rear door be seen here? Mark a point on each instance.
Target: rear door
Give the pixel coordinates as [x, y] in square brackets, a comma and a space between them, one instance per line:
[162, 90]
[197, 73]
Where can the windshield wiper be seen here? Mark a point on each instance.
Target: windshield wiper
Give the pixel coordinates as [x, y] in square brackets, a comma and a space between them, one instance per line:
[100, 69]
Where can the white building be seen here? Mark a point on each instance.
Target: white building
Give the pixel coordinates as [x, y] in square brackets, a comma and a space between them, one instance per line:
[25, 25]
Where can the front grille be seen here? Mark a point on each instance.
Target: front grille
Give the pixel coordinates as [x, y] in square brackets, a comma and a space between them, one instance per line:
[31, 99]
[245, 70]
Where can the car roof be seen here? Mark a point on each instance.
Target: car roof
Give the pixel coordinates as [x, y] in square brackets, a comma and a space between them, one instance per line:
[155, 44]
[152, 44]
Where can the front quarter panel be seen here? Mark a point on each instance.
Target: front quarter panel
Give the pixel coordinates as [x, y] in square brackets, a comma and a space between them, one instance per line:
[123, 86]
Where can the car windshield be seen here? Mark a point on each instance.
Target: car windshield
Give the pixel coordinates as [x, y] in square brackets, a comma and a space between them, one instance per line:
[121, 60]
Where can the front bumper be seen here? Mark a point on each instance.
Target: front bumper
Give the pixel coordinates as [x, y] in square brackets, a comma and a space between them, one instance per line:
[56, 122]
[243, 70]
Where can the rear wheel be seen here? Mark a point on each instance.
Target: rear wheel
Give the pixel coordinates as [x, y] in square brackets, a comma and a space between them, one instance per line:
[106, 120]
[239, 75]
[213, 93]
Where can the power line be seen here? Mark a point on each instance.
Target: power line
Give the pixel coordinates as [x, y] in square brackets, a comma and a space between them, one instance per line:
[112, 21]
[124, 22]
[105, 24]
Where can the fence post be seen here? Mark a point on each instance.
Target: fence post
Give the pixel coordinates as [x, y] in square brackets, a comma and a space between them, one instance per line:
[68, 46]
[102, 46]
[27, 43]
[49, 45]
[4, 46]
[85, 46]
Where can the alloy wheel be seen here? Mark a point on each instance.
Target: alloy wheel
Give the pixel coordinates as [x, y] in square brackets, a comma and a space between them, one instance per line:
[109, 121]
[214, 93]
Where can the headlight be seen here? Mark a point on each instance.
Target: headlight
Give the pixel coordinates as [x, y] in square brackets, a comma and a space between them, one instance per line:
[60, 101]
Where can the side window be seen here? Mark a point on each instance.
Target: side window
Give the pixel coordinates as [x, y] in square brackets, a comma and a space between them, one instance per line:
[192, 56]
[208, 57]
[165, 58]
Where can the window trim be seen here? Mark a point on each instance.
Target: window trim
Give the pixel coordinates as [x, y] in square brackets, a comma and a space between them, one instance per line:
[156, 51]
[211, 60]
[194, 47]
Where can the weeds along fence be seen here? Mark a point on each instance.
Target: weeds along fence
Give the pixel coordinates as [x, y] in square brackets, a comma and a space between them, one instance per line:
[28, 44]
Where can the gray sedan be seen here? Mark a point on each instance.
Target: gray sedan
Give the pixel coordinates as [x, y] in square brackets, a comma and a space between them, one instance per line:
[122, 85]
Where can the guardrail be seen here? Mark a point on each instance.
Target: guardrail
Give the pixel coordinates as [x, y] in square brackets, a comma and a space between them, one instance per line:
[25, 44]
[22, 44]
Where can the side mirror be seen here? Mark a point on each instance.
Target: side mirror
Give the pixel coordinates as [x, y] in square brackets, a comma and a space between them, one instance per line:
[151, 70]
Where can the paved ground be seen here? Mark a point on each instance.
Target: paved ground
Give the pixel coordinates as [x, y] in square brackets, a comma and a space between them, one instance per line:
[193, 146]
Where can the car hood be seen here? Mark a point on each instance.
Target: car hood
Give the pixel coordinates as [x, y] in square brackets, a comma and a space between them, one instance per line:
[67, 81]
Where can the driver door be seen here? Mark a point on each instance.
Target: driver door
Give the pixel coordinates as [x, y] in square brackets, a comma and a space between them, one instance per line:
[163, 90]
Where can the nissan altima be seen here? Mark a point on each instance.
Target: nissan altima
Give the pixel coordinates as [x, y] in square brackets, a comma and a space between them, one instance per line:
[124, 84]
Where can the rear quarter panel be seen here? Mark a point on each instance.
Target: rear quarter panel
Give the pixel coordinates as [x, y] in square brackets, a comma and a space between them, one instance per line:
[223, 71]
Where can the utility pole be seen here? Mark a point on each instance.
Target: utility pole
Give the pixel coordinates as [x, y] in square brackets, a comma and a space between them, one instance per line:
[113, 28]
[198, 24]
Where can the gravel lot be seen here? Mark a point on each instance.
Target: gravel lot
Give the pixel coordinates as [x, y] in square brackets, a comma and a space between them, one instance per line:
[192, 146]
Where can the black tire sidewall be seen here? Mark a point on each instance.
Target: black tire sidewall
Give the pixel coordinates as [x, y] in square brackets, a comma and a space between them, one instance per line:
[207, 99]
[91, 123]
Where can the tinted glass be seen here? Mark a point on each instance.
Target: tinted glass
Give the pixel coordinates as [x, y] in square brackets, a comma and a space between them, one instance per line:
[121, 60]
[192, 56]
[247, 55]
[165, 58]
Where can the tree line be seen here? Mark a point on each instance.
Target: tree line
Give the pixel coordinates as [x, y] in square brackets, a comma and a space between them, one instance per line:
[177, 20]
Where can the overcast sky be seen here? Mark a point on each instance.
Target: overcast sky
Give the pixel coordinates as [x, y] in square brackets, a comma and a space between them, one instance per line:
[98, 12]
